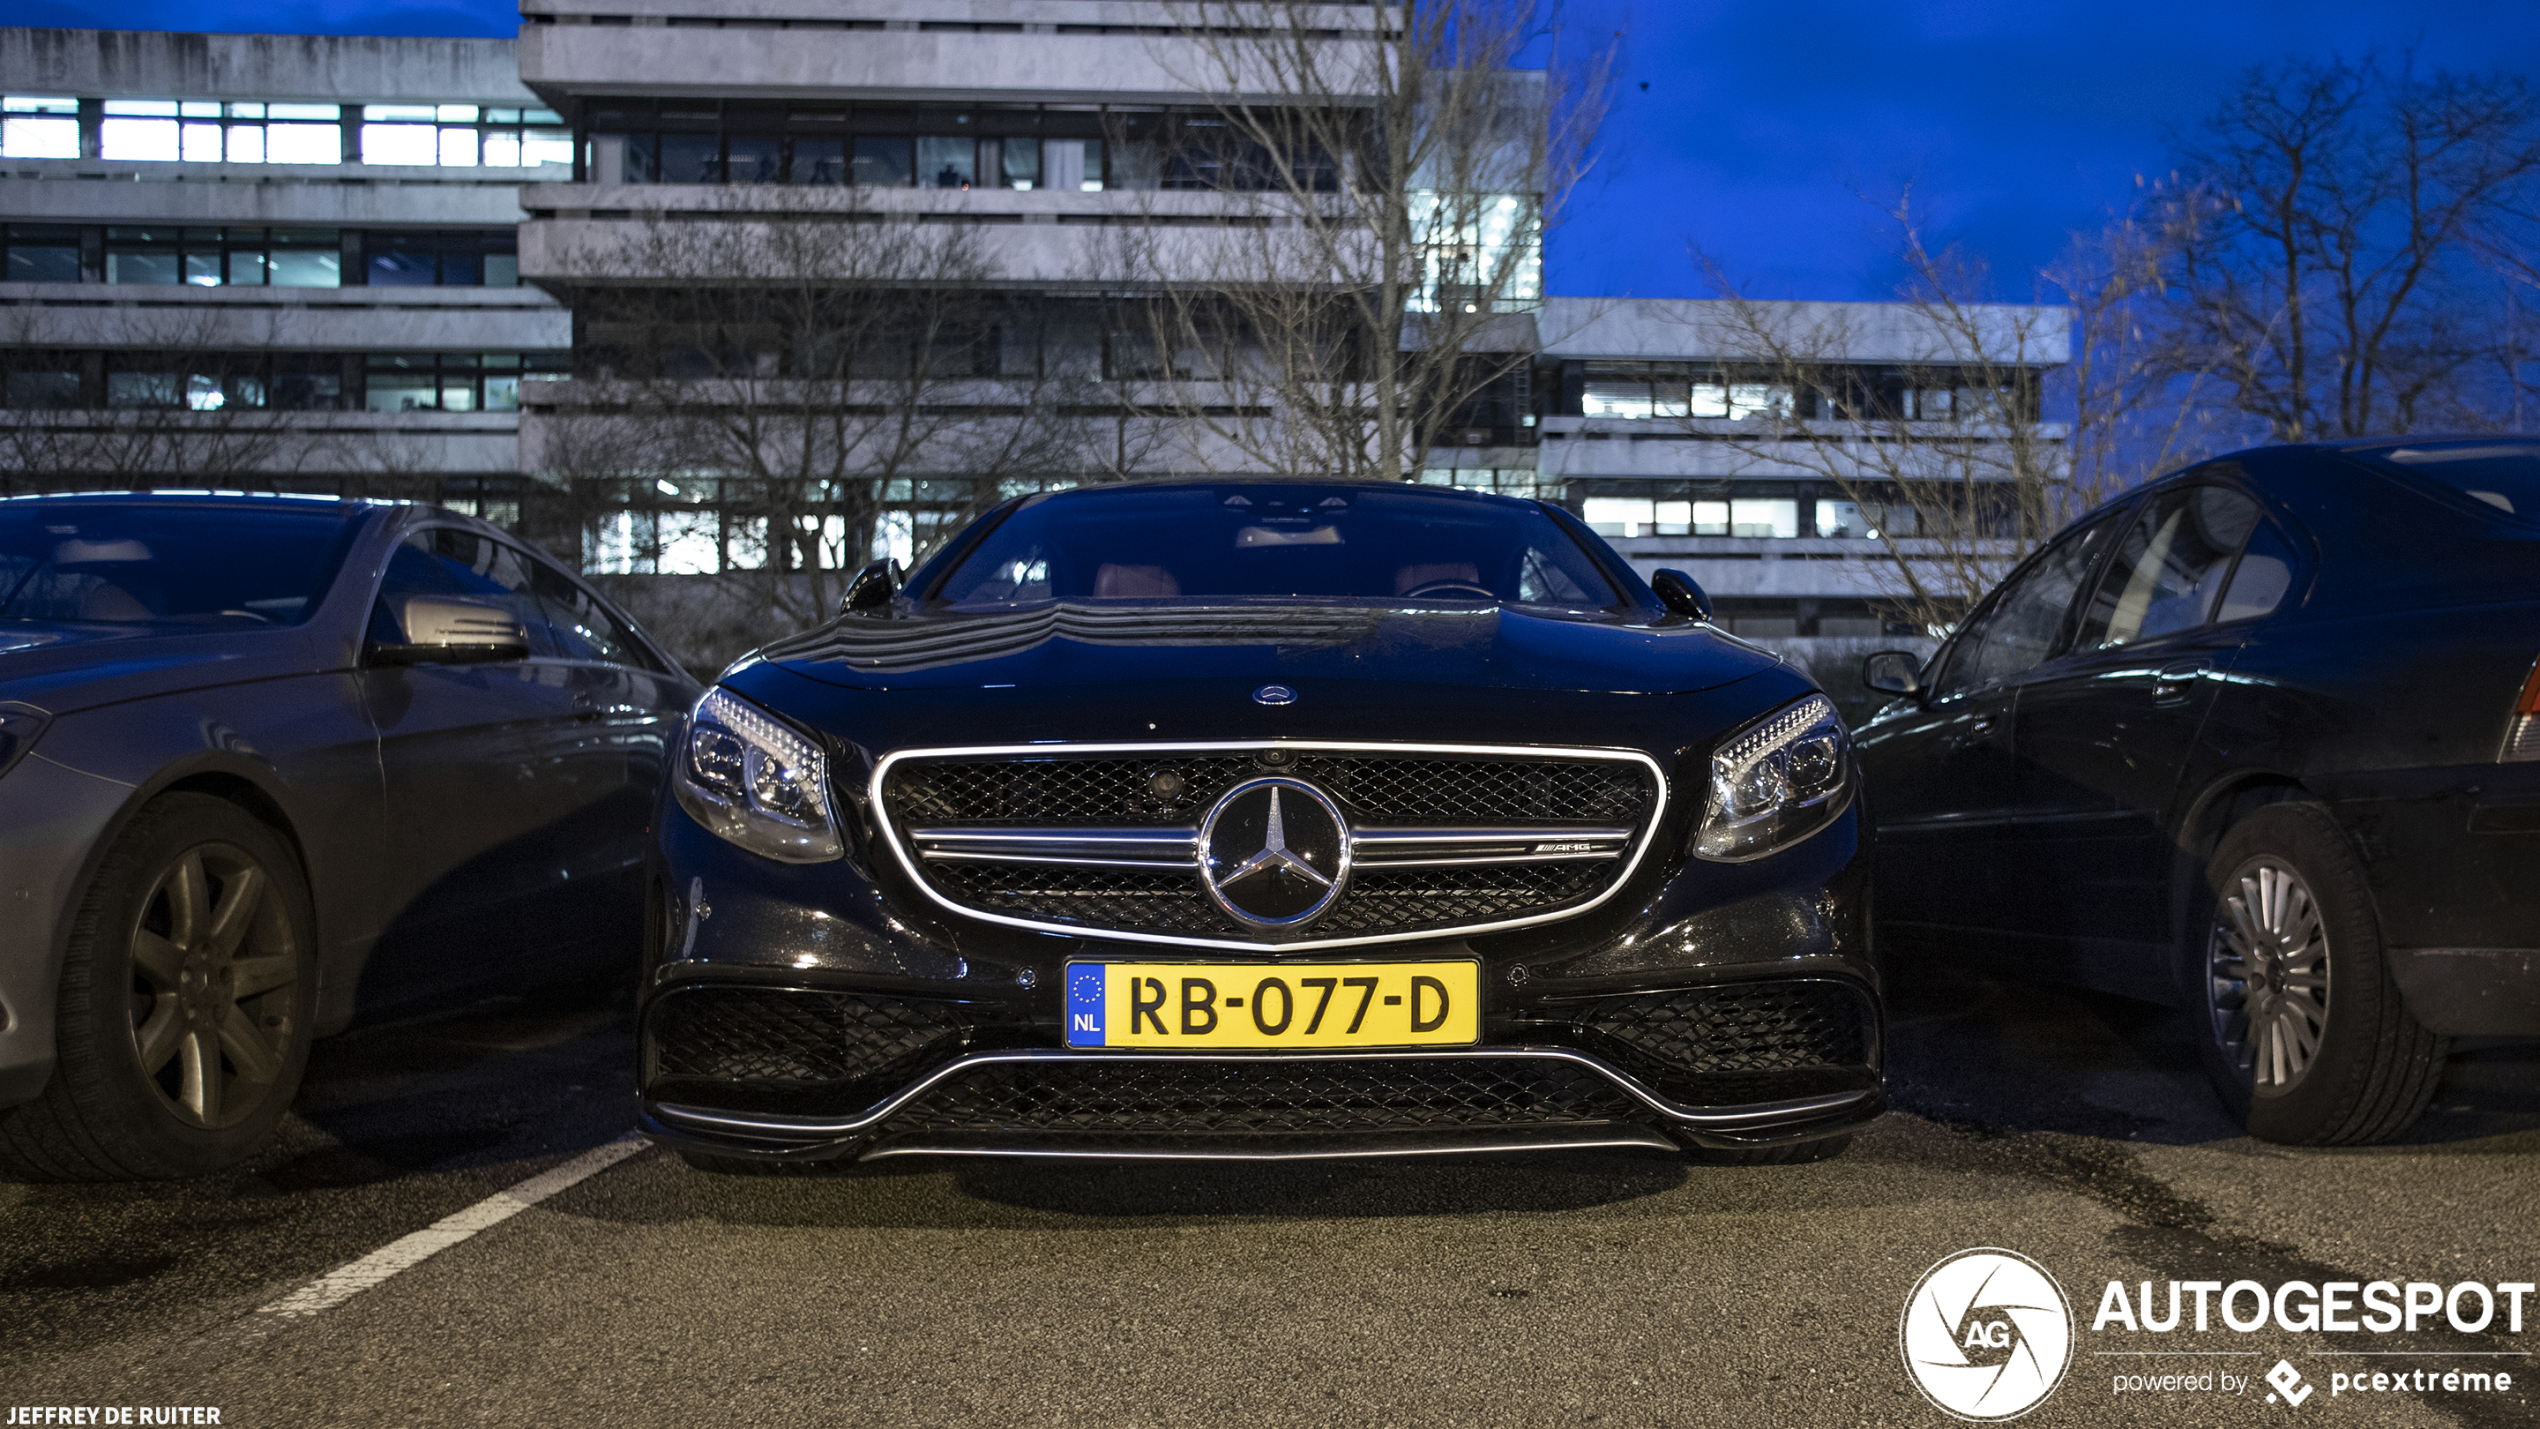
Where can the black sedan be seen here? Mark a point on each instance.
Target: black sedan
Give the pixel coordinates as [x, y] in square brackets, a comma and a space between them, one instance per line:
[2260, 740]
[1262, 819]
[265, 761]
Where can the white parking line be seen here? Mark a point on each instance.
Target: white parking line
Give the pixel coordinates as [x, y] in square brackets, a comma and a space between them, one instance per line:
[343, 1283]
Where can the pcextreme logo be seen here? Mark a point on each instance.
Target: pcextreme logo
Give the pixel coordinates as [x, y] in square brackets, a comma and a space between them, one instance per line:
[1987, 1334]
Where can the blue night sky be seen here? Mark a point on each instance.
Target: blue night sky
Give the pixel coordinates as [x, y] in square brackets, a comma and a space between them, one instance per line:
[1763, 125]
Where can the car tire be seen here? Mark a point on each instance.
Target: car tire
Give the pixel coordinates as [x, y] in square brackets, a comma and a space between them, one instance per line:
[1824, 1148]
[2302, 1029]
[183, 1018]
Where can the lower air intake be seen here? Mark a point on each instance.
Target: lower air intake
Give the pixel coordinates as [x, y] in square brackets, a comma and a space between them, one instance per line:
[1112, 1097]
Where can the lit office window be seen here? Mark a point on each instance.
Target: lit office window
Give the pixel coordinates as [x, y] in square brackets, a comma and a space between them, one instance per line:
[1775, 518]
[1630, 516]
[1625, 398]
[199, 137]
[453, 382]
[144, 130]
[304, 134]
[1863, 520]
[399, 134]
[39, 127]
[246, 141]
[669, 543]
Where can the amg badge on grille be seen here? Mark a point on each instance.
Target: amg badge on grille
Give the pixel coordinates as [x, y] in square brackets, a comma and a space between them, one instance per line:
[1274, 852]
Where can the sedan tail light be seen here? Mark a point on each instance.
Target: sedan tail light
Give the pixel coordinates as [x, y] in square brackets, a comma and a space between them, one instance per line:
[2522, 737]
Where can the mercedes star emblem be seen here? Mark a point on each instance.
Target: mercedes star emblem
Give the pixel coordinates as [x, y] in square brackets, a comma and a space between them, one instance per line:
[1274, 852]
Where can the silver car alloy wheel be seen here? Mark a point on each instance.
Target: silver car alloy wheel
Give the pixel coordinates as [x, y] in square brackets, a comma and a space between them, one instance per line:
[2266, 974]
[215, 976]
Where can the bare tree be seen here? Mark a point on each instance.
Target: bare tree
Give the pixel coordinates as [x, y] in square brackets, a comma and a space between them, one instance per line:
[1962, 432]
[2324, 227]
[1340, 250]
[759, 379]
[188, 399]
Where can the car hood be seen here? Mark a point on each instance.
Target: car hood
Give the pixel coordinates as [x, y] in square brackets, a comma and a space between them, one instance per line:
[1062, 645]
[70, 666]
[1142, 674]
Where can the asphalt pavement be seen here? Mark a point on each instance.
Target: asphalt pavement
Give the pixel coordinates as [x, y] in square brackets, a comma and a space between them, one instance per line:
[1570, 1289]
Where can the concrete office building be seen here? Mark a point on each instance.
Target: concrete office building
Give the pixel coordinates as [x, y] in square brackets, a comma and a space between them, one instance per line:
[203, 226]
[269, 260]
[1659, 429]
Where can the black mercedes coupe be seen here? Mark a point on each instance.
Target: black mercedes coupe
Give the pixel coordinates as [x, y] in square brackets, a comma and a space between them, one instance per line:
[2262, 740]
[1261, 819]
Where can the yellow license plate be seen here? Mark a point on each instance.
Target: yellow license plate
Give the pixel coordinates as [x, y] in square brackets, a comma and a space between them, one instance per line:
[1210, 1005]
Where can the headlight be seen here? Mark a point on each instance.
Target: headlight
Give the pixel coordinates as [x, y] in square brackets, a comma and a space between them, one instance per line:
[756, 782]
[1776, 782]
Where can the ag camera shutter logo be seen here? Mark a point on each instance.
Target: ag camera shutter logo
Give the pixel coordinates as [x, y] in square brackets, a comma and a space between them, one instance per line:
[1987, 1334]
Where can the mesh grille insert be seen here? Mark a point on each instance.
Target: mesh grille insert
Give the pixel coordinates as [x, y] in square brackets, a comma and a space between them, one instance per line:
[1447, 791]
[771, 1049]
[1739, 1027]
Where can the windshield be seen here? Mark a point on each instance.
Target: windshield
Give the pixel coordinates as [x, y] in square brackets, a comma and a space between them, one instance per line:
[126, 561]
[2504, 474]
[1349, 542]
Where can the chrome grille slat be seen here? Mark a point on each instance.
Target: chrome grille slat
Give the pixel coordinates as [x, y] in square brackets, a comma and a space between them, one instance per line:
[1444, 839]
[1178, 848]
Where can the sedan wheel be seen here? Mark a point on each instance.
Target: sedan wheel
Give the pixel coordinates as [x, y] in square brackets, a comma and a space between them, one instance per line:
[214, 981]
[2266, 977]
[2307, 1038]
[182, 1021]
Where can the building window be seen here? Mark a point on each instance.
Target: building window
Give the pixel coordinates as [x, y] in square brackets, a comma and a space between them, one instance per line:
[40, 381]
[1617, 391]
[1863, 520]
[883, 163]
[947, 161]
[1525, 481]
[453, 382]
[294, 133]
[39, 127]
[447, 258]
[463, 136]
[879, 146]
[210, 132]
[1740, 401]
[41, 253]
[1635, 516]
[215, 257]
[487, 498]
[1775, 518]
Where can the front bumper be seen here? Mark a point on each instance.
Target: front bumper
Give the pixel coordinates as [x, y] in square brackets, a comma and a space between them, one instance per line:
[809, 1012]
[52, 821]
[1270, 1106]
[808, 1073]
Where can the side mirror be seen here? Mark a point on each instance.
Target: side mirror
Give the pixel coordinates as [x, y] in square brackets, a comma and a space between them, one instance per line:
[872, 589]
[1894, 672]
[454, 632]
[1681, 594]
